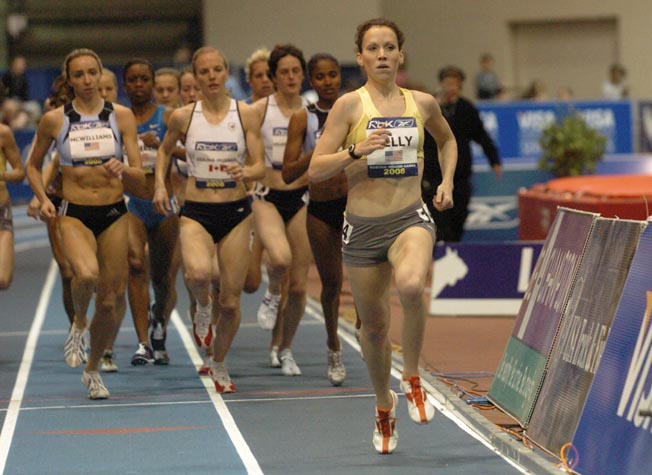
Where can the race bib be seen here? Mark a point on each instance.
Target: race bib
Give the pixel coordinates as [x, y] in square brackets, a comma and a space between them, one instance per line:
[147, 157]
[210, 163]
[279, 139]
[91, 143]
[399, 157]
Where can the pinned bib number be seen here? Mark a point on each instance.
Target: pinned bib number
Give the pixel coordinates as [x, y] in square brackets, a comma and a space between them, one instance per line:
[91, 144]
[399, 157]
[279, 139]
[211, 162]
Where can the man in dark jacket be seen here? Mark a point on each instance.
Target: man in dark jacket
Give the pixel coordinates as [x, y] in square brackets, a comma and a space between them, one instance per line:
[465, 122]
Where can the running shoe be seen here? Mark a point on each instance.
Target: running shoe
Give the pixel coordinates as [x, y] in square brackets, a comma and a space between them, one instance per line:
[96, 389]
[274, 362]
[157, 335]
[385, 437]
[107, 362]
[420, 409]
[202, 329]
[143, 355]
[74, 350]
[336, 370]
[288, 365]
[205, 367]
[220, 377]
[268, 310]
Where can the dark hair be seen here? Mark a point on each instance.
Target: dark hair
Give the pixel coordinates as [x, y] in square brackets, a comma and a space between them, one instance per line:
[281, 51]
[134, 61]
[315, 58]
[363, 27]
[60, 92]
[451, 72]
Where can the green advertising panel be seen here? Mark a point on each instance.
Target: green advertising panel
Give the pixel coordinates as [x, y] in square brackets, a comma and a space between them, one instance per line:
[517, 379]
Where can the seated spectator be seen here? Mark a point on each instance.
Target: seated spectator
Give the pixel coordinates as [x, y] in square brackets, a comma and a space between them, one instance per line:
[615, 88]
[565, 93]
[536, 91]
[15, 79]
[487, 83]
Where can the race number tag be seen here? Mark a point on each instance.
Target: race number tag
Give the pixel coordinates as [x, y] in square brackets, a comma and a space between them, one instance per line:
[399, 157]
[210, 163]
[147, 157]
[279, 139]
[347, 230]
[91, 143]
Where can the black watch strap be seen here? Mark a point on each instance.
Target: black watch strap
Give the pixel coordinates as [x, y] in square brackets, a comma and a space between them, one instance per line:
[352, 153]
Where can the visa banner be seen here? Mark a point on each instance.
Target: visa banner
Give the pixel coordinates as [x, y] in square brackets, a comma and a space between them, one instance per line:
[516, 126]
[614, 435]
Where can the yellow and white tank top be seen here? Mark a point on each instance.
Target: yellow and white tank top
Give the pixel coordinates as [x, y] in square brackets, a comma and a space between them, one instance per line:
[399, 158]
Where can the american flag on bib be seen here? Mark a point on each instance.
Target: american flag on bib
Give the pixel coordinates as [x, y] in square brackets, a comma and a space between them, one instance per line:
[393, 155]
[91, 146]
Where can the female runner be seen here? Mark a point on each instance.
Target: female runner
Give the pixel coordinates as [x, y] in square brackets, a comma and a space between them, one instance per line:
[224, 152]
[327, 200]
[90, 134]
[8, 153]
[280, 209]
[149, 228]
[387, 228]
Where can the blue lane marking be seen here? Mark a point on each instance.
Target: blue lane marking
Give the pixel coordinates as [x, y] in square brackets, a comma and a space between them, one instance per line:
[118, 439]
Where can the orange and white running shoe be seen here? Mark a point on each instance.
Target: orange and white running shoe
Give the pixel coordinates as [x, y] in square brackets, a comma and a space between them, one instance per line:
[385, 434]
[221, 378]
[420, 409]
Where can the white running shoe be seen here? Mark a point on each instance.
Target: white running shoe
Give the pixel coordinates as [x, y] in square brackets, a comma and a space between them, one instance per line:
[420, 409]
[220, 377]
[336, 370]
[202, 329]
[288, 365]
[107, 362]
[268, 311]
[74, 350]
[93, 381]
[385, 437]
[274, 362]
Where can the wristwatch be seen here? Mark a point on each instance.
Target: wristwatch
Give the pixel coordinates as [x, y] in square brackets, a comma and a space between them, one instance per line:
[352, 153]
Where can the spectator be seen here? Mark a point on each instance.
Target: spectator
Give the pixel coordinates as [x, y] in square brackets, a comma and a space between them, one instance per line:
[15, 80]
[487, 83]
[615, 88]
[464, 121]
[565, 93]
[13, 114]
[536, 91]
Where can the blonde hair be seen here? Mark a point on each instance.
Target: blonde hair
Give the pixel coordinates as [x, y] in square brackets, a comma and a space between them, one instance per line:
[112, 75]
[261, 54]
[208, 49]
[76, 53]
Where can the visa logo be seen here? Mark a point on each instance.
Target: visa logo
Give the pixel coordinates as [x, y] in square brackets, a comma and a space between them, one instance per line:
[635, 395]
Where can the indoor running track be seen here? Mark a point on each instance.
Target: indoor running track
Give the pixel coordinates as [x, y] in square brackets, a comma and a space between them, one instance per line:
[168, 420]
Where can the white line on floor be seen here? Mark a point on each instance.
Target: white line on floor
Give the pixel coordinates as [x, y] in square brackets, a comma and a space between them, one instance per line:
[241, 446]
[11, 418]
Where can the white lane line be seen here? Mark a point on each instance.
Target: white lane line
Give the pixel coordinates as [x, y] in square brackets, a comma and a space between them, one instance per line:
[18, 392]
[190, 403]
[241, 446]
